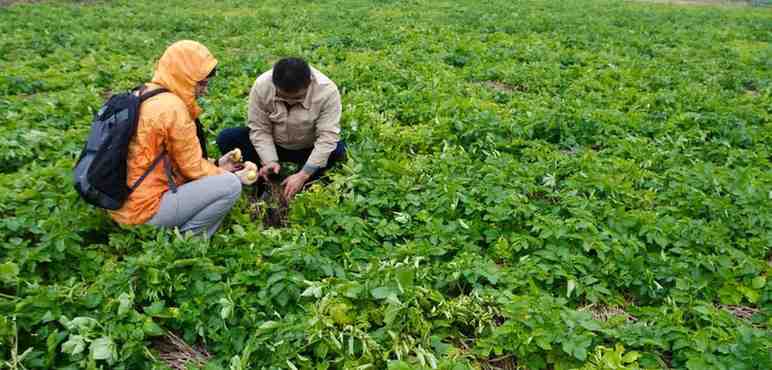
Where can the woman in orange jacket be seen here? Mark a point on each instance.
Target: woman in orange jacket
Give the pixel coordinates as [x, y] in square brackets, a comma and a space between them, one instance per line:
[191, 193]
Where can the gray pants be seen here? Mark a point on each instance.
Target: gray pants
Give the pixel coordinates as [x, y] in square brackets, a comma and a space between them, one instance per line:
[200, 205]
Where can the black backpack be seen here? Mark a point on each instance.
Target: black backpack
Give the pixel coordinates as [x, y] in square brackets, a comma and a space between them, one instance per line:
[100, 173]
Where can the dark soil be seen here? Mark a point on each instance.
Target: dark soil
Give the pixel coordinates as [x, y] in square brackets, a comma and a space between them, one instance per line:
[276, 206]
[179, 355]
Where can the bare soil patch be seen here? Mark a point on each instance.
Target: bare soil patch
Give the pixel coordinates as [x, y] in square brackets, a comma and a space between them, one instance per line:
[178, 355]
[502, 87]
[271, 207]
[603, 313]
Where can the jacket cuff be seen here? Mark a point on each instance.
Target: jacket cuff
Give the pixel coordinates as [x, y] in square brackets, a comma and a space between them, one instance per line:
[310, 168]
[266, 159]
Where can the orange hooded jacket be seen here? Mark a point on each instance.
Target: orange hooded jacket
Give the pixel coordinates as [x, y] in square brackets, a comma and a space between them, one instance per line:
[167, 122]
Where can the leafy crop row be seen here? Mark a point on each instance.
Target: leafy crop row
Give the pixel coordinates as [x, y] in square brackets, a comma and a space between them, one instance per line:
[568, 184]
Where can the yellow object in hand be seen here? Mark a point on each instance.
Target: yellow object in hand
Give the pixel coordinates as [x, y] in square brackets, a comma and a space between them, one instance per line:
[236, 155]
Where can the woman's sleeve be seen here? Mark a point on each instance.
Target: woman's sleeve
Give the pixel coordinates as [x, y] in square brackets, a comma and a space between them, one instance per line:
[184, 149]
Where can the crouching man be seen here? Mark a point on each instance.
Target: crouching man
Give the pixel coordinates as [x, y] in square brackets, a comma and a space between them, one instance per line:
[294, 116]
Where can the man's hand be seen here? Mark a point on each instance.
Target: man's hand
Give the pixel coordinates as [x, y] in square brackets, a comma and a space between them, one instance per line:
[294, 183]
[268, 169]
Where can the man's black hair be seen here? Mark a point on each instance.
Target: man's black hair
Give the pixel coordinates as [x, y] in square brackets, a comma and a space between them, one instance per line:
[291, 74]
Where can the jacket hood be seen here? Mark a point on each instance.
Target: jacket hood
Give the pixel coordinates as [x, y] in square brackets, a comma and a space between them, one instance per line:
[181, 66]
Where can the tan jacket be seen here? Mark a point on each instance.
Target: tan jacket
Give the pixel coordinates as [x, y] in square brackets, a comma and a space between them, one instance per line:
[313, 123]
[167, 121]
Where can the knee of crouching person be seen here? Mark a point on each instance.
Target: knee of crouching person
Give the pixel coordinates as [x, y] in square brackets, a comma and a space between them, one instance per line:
[221, 141]
[225, 140]
[233, 185]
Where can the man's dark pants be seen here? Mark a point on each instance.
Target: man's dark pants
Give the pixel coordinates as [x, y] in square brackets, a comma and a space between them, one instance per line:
[238, 137]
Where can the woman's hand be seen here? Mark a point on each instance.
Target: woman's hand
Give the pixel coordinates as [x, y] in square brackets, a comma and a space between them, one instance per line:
[248, 175]
[230, 161]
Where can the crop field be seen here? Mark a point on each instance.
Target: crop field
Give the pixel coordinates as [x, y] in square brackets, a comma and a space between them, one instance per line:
[530, 185]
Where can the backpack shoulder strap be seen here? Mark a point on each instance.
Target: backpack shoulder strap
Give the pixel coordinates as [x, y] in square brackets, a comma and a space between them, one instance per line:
[147, 172]
[145, 96]
[163, 155]
[167, 168]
